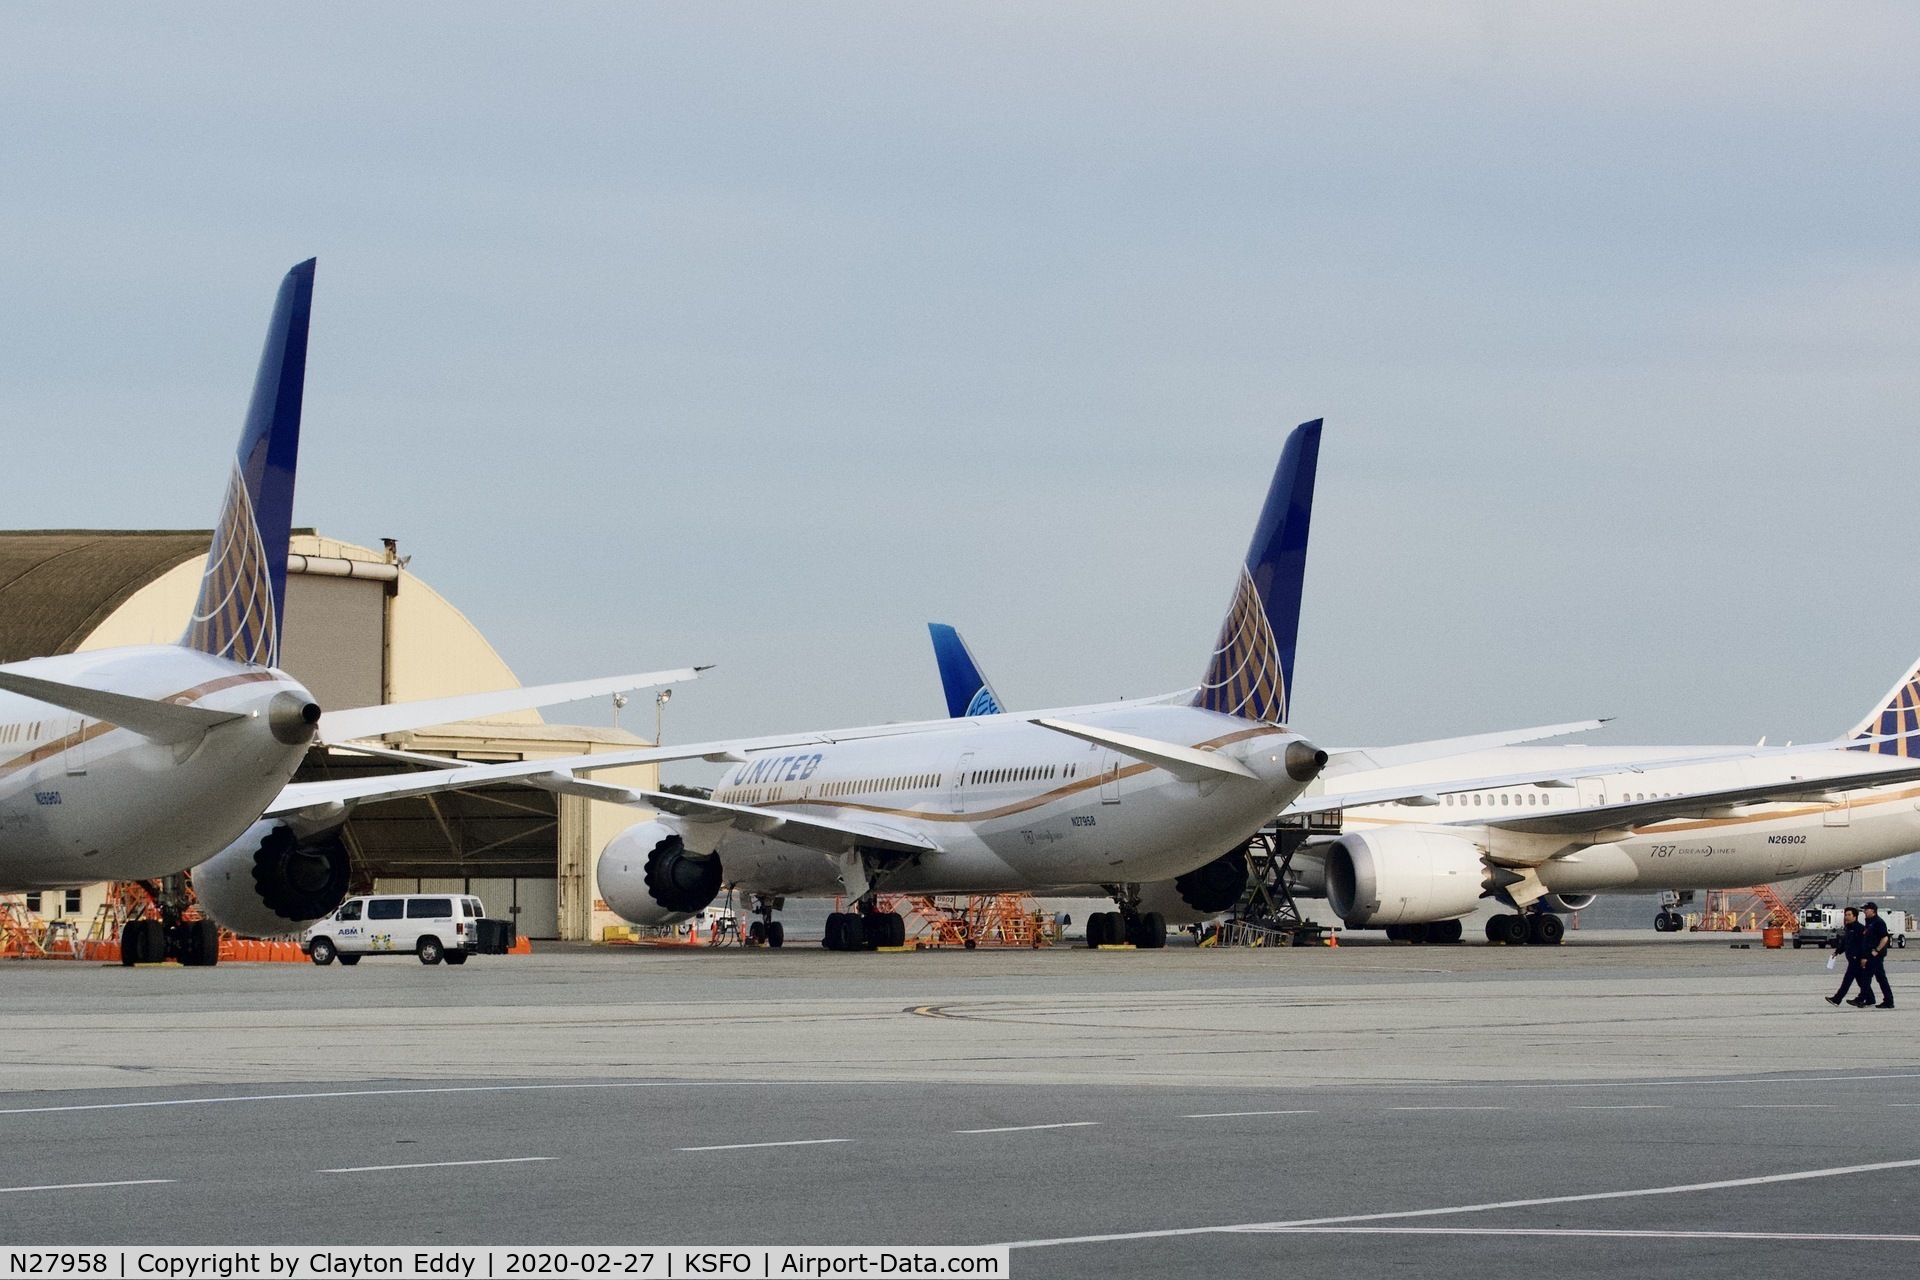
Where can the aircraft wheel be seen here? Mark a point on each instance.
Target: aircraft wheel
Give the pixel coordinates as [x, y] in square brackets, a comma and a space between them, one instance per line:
[757, 933]
[1544, 929]
[200, 943]
[1508, 930]
[776, 934]
[1149, 932]
[831, 939]
[1444, 931]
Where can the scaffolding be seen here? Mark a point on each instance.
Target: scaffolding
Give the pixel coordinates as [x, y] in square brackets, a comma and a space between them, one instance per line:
[1760, 907]
[976, 920]
[1268, 915]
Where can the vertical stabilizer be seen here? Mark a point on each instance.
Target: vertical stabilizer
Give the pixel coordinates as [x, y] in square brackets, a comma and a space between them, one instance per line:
[1251, 674]
[967, 690]
[1896, 718]
[243, 595]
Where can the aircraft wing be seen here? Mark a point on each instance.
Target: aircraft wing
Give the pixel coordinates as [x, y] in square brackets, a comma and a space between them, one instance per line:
[395, 717]
[829, 835]
[148, 717]
[1345, 760]
[1698, 804]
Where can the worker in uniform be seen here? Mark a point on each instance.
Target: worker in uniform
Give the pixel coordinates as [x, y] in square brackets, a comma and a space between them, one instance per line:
[1873, 966]
[1850, 943]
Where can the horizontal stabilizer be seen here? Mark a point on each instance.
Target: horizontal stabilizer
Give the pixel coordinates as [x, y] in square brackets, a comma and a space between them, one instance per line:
[396, 717]
[1186, 763]
[159, 721]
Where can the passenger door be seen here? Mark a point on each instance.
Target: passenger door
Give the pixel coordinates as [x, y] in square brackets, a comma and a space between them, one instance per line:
[1593, 791]
[1109, 778]
[958, 792]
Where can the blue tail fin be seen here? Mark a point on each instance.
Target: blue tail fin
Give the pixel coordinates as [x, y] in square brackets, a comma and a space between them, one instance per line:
[243, 595]
[1897, 718]
[968, 693]
[1251, 674]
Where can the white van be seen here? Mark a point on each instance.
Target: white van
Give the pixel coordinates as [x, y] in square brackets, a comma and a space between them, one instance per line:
[433, 926]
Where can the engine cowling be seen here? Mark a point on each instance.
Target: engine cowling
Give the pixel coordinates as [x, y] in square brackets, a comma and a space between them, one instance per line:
[1216, 886]
[649, 876]
[271, 881]
[1378, 878]
[1563, 903]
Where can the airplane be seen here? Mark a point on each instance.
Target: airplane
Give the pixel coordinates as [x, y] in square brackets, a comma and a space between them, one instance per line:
[137, 762]
[1556, 826]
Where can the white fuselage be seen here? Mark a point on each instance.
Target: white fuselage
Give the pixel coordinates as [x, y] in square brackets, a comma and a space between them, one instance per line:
[82, 800]
[1012, 806]
[1739, 847]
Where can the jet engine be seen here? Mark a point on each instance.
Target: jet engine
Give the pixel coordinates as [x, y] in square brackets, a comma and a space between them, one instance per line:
[1216, 886]
[1563, 903]
[271, 881]
[1378, 878]
[649, 876]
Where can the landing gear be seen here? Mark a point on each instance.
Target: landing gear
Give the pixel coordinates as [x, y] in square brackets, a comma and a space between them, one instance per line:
[858, 931]
[1437, 932]
[1669, 922]
[1535, 928]
[766, 931]
[1544, 929]
[844, 932]
[172, 937]
[1147, 932]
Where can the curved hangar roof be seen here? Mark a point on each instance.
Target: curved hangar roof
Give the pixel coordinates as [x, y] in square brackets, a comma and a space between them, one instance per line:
[58, 585]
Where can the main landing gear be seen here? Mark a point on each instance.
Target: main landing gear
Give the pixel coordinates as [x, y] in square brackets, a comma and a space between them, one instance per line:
[1672, 922]
[864, 929]
[172, 937]
[1535, 929]
[1146, 931]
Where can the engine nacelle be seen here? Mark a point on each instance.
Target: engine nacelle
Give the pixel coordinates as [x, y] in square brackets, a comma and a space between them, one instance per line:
[649, 876]
[1380, 878]
[271, 881]
[1215, 887]
[1563, 903]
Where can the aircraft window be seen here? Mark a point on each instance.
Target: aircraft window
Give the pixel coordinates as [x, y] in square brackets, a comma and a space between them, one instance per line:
[1476, 799]
[386, 909]
[348, 910]
[1449, 798]
[1532, 799]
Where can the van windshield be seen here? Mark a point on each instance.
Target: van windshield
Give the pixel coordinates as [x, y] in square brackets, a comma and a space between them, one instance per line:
[348, 910]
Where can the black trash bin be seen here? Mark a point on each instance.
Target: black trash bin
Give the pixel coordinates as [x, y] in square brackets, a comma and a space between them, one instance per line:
[495, 937]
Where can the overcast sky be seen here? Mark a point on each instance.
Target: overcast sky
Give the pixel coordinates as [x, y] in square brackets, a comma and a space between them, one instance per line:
[761, 335]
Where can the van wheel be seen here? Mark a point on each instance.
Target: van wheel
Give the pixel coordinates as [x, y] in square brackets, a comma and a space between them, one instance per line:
[349, 959]
[323, 952]
[429, 951]
[456, 957]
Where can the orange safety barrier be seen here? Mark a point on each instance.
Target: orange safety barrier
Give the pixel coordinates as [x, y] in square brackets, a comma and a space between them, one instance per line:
[522, 946]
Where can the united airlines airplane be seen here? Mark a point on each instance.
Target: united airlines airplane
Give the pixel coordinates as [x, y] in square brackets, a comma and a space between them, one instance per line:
[138, 762]
[1542, 830]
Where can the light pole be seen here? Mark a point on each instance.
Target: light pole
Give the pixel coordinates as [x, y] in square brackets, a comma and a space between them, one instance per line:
[619, 701]
[660, 701]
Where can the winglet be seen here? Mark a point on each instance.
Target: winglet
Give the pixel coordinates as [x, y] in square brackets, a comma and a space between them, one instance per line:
[966, 687]
[242, 600]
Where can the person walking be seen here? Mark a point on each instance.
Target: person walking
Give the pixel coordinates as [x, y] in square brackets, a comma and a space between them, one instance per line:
[1873, 964]
[1850, 944]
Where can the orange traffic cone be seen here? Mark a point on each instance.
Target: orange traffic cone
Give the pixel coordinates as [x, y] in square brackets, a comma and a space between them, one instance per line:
[1333, 939]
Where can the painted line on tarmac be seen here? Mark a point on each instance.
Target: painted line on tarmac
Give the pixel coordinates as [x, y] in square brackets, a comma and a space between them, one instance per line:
[1761, 1180]
[442, 1164]
[1715, 1082]
[1619, 1106]
[1227, 1115]
[747, 1146]
[1783, 1106]
[1025, 1128]
[1822, 1236]
[360, 1093]
[83, 1186]
[1446, 1108]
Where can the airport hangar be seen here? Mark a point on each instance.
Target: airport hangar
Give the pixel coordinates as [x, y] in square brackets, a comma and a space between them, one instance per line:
[359, 629]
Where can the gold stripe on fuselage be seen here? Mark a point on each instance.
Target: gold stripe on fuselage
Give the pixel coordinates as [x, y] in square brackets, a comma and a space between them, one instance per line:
[186, 697]
[1018, 806]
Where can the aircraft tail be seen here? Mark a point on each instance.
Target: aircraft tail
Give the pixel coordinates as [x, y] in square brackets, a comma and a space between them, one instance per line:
[1251, 674]
[243, 595]
[968, 693]
[1896, 720]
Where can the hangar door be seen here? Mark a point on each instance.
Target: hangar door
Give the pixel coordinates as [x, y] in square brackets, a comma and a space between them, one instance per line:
[335, 638]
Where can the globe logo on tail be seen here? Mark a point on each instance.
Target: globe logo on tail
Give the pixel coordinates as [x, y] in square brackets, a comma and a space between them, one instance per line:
[1245, 677]
[234, 616]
